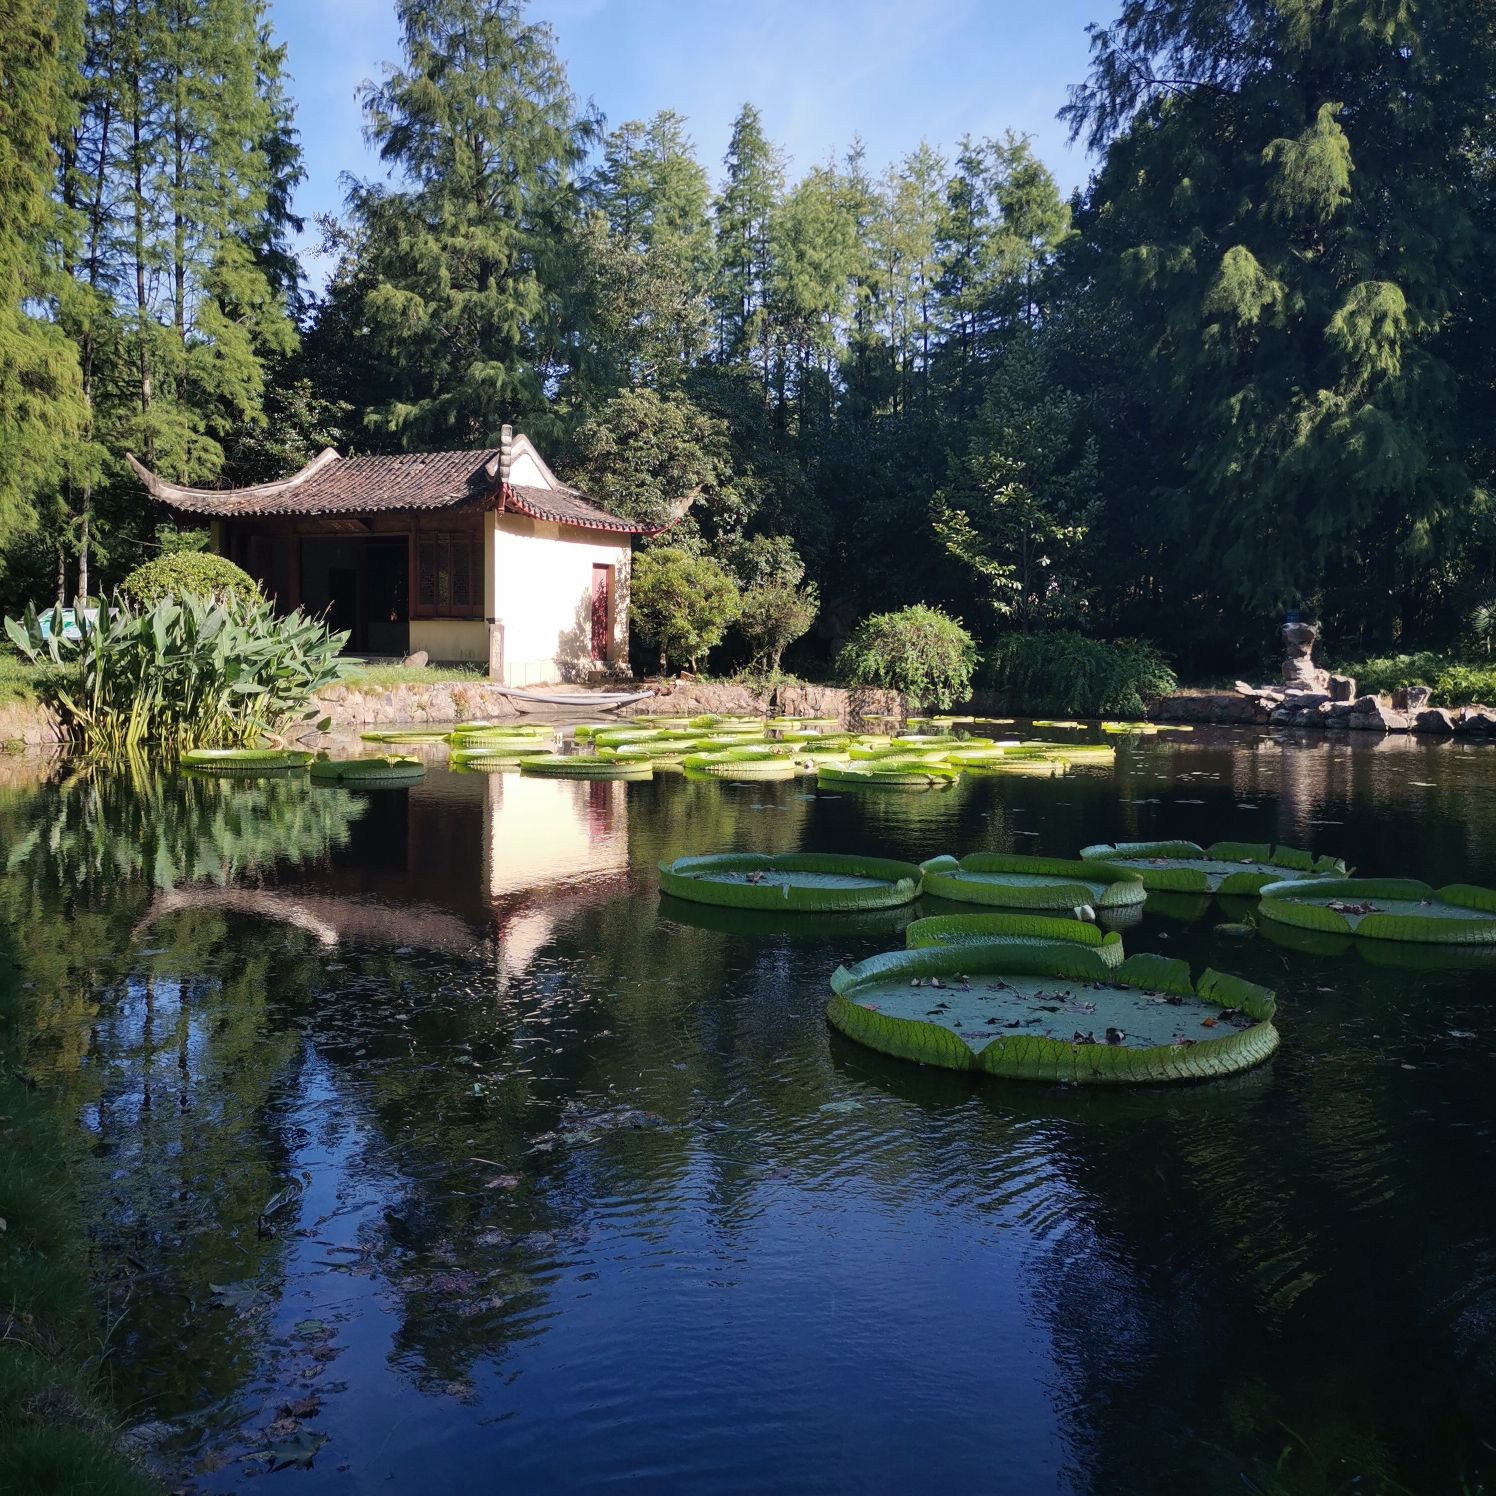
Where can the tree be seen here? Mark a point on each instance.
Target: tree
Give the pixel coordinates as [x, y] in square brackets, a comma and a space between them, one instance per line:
[1021, 500]
[1290, 214]
[744, 210]
[681, 603]
[43, 410]
[778, 604]
[464, 257]
[653, 458]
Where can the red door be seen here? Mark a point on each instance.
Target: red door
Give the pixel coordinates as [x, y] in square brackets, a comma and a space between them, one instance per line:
[602, 586]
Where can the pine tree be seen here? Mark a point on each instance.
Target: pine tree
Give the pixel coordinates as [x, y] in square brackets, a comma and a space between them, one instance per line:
[744, 211]
[464, 256]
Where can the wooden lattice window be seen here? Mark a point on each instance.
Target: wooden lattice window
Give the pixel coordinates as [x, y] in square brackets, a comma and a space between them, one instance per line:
[449, 576]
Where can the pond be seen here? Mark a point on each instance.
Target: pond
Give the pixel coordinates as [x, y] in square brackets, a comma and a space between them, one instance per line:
[420, 1139]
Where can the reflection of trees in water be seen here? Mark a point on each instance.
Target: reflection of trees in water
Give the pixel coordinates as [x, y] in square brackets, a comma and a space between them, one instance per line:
[93, 826]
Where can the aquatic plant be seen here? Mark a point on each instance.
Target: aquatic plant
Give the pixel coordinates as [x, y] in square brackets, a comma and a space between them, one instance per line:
[793, 880]
[385, 770]
[1006, 929]
[1045, 1011]
[1226, 867]
[186, 673]
[1385, 909]
[1011, 879]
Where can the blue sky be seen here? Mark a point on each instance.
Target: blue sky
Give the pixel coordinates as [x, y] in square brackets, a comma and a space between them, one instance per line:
[821, 71]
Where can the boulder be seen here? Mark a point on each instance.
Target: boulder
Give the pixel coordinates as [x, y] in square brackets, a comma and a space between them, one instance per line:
[1342, 688]
[1434, 719]
[1411, 698]
[1476, 722]
[1300, 673]
[1377, 718]
[417, 661]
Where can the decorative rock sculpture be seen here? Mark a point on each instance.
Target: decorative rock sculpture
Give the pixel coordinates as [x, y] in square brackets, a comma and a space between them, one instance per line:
[1300, 673]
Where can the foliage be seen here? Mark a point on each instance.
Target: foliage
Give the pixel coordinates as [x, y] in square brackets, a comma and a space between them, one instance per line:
[647, 456]
[43, 410]
[180, 573]
[1063, 671]
[1272, 252]
[1451, 682]
[919, 650]
[462, 259]
[187, 673]
[778, 604]
[681, 603]
[1023, 497]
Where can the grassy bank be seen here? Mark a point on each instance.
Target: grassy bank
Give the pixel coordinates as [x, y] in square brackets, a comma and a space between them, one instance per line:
[56, 1435]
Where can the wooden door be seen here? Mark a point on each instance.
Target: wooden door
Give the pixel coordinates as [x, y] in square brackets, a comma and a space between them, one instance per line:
[602, 588]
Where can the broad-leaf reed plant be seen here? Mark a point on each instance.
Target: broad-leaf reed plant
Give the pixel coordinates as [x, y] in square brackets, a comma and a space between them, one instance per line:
[189, 672]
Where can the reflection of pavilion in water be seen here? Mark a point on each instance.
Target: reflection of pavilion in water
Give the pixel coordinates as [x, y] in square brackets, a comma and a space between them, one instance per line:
[449, 864]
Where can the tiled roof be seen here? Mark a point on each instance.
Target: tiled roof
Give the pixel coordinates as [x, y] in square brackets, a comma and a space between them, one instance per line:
[333, 485]
[565, 506]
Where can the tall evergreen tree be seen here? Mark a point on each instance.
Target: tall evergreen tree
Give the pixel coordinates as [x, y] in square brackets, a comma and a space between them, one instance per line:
[43, 413]
[1288, 214]
[744, 210]
[464, 254]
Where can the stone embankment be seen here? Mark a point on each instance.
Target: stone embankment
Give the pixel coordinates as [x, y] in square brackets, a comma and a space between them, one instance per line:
[478, 701]
[693, 698]
[1338, 709]
[29, 724]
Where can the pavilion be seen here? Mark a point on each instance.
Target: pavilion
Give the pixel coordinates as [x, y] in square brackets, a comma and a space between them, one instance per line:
[480, 556]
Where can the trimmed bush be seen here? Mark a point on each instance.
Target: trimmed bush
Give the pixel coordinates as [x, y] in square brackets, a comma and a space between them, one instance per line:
[1063, 671]
[189, 573]
[920, 651]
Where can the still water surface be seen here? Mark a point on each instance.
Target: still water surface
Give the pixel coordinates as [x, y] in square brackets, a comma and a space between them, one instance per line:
[420, 1137]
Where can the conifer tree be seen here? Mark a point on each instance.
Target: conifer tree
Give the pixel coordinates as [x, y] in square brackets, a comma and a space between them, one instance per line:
[744, 210]
[464, 254]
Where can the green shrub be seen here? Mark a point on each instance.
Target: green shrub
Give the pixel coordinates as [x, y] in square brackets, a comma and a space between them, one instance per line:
[188, 674]
[920, 651]
[1452, 682]
[188, 573]
[1065, 672]
[681, 603]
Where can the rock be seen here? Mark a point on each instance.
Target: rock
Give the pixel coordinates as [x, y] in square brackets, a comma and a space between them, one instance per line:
[1243, 689]
[417, 661]
[1477, 722]
[1342, 688]
[1411, 698]
[1299, 670]
[1375, 717]
[1434, 719]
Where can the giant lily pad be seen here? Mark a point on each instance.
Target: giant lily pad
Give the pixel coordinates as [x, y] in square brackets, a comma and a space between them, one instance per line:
[385, 771]
[1385, 909]
[1018, 882]
[795, 880]
[1224, 867]
[244, 760]
[1012, 929]
[1055, 1013]
[888, 774]
[584, 766]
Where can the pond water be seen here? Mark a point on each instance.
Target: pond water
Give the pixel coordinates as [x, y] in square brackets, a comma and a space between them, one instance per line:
[419, 1137]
